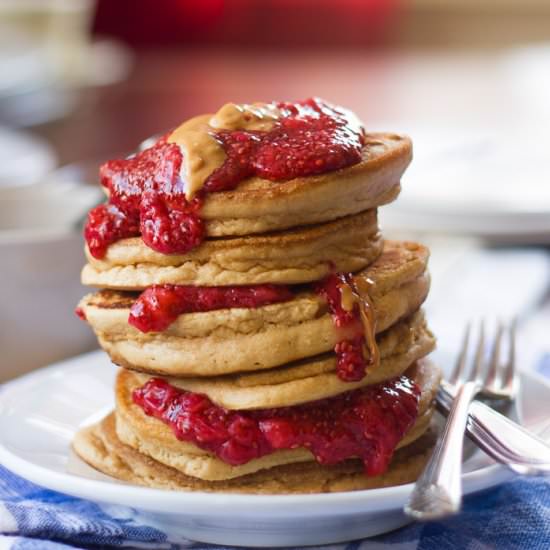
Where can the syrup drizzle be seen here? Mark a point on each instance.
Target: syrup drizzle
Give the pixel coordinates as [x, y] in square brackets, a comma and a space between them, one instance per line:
[351, 308]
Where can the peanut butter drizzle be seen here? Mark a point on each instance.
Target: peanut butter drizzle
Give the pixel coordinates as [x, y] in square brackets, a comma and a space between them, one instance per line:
[253, 117]
[358, 292]
[202, 154]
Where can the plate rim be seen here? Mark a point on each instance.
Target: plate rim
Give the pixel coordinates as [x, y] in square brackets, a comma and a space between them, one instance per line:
[212, 503]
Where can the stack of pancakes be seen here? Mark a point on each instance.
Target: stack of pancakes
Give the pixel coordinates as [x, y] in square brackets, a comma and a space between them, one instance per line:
[273, 356]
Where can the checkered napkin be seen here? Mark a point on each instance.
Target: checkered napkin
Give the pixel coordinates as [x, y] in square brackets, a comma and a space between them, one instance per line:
[514, 515]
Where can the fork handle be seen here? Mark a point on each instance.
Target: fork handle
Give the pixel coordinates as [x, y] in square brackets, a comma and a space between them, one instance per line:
[488, 424]
[438, 491]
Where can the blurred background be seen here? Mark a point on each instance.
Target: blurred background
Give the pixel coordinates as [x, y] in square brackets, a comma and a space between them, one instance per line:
[82, 81]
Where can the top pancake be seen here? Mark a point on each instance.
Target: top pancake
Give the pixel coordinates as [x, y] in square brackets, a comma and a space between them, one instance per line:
[258, 205]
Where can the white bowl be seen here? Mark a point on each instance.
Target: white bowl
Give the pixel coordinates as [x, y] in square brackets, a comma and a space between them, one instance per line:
[41, 255]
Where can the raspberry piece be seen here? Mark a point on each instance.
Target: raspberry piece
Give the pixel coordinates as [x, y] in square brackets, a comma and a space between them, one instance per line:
[351, 366]
[155, 169]
[106, 224]
[79, 312]
[170, 227]
[240, 148]
[159, 305]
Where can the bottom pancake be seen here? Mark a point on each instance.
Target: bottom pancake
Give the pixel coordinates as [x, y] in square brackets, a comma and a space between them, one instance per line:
[100, 447]
[154, 438]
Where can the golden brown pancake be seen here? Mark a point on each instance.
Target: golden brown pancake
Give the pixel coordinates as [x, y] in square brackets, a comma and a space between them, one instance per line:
[188, 460]
[152, 437]
[259, 206]
[100, 447]
[288, 257]
[241, 339]
[309, 379]
[313, 378]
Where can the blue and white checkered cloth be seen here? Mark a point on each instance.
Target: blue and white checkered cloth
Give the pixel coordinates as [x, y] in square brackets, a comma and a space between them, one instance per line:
[512, 516]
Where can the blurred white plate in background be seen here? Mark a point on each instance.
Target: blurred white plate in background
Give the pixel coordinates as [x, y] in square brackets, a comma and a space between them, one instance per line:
[491, 184]
[24, 158]
[479, 124]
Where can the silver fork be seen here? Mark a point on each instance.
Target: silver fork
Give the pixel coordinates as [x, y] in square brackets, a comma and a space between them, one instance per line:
[501, 438]
[438, 491]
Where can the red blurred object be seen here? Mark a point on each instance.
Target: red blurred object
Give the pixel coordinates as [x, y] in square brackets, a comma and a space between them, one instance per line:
[275, 23]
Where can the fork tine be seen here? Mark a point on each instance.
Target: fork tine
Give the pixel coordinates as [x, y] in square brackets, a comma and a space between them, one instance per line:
[509, 373]
[476, 373]
[461, 360]
[494, 361]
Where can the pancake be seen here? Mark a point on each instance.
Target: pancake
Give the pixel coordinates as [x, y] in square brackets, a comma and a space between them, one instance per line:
[288, 257]
[259, 206]
[302, 381]
[189, 459]
[292, 232]
[100, 447]
[153, 438]
[241, 339]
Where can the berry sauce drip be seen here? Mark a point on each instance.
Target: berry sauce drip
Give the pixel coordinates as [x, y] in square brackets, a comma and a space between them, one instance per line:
[359, 351]
[311, 138]
[146, 192]
[159, 305]
[366, 423]
[79, 312]
[146, 198]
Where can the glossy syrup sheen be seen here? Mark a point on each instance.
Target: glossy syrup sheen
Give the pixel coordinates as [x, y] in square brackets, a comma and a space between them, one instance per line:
[147, 194]
[355, 354]
[366, 423]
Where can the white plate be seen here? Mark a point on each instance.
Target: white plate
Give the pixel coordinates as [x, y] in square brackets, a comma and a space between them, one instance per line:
[40, 412]
[476, 182]
[24, 158]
